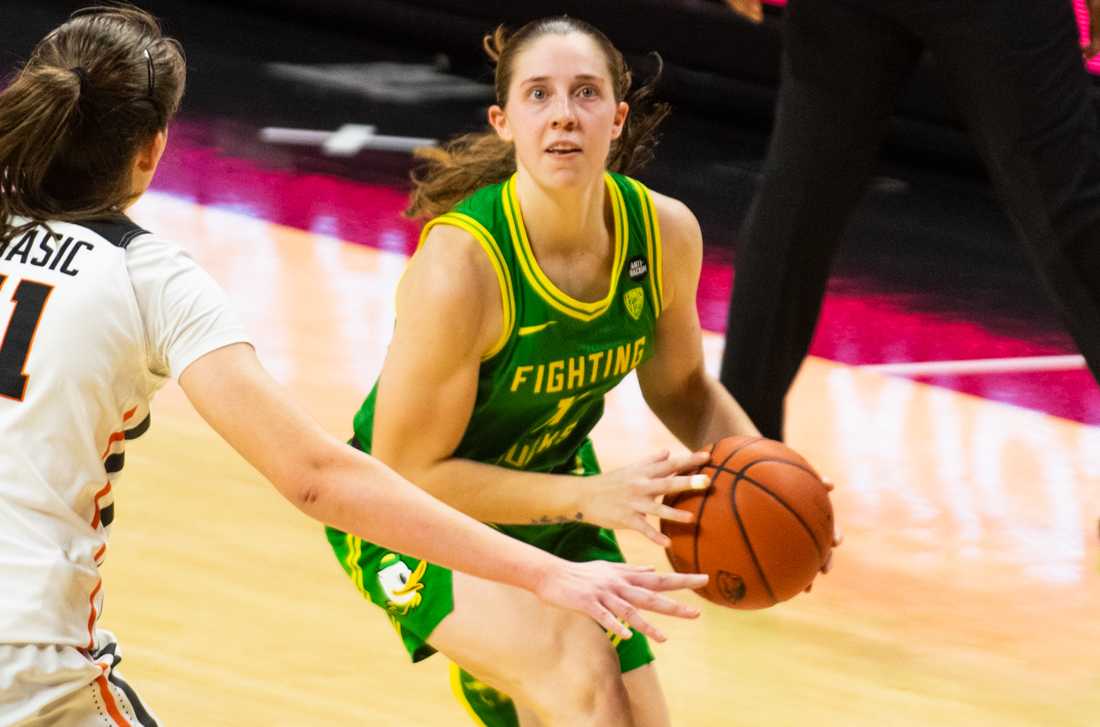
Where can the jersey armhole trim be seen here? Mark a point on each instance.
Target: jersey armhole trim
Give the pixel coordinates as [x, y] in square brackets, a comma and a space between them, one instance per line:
[653, 244]
[504, 281]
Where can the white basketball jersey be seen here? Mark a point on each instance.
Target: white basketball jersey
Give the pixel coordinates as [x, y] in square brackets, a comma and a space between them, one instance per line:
[95, 317]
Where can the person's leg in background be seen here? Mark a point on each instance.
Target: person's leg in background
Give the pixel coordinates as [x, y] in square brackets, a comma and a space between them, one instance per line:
[1015, 71]
[842, 70]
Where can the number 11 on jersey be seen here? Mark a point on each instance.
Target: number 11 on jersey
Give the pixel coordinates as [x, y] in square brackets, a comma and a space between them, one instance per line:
[30, 300]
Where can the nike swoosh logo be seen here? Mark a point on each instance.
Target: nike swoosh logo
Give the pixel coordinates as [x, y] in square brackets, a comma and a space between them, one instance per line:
[528, 330]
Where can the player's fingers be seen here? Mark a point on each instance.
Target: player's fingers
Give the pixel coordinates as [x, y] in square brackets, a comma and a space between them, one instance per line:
[630, 614]
[679, 483]
[661, 455]
[838, 538]
[686, 463]
[670, 581]
[650, 601]
[642, 526]
[608, 621]
[829, 484]
[649, 507]
[631, 568]
[828, 564]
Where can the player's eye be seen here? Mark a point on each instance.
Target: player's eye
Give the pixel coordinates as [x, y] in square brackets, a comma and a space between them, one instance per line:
[538, 93]
[587, 92]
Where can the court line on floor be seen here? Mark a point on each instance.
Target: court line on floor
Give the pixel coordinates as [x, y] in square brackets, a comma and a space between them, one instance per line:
[1018, 364]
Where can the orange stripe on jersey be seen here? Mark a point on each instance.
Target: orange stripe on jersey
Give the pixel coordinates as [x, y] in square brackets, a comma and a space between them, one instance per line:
[116, 437]
[95, 500]
[99, 554]
[109, 701]
[92, 615]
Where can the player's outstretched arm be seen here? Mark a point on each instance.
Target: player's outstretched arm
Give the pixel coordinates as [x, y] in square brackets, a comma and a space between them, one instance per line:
[338, 485]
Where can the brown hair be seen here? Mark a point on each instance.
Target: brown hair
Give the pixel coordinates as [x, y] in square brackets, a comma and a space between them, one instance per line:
[95, 90]
[451, 173]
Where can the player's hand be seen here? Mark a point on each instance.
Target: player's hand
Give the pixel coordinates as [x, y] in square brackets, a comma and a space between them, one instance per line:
[622, 499]
[614, 594]
[748, 9]
[1093, 46]
[838, 538]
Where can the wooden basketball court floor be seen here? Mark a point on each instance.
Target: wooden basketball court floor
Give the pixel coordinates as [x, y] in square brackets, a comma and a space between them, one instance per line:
[967, 591]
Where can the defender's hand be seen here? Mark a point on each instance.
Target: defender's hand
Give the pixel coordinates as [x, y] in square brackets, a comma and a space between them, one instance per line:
[838, 538]
[616, 593]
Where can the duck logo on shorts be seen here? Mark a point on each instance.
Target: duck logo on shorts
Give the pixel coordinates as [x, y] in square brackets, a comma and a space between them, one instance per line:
[634, 300]
[401, 585]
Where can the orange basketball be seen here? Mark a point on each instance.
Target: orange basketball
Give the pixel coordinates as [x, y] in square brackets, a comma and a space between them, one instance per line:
[763, 529]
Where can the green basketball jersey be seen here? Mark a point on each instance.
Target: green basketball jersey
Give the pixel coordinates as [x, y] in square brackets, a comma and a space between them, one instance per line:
[541, 386]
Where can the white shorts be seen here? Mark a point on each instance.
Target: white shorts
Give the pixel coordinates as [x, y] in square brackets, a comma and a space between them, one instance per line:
[62, 686]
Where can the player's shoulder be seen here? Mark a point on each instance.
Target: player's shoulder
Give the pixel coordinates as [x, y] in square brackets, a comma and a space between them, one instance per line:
[680, 232]
[450, 292]
[451, 266]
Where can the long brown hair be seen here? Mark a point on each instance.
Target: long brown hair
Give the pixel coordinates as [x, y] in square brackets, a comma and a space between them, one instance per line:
[95, 90]
[451, 173]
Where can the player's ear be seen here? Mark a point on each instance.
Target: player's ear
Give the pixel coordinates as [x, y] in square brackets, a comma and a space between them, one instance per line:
[499, 121]
[148, 155]
[145, 163]
[621, 112]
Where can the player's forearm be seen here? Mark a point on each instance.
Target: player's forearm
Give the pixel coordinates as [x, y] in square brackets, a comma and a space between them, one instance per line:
[723, 415]
[361, 495]
[501, 495]
[701, 412]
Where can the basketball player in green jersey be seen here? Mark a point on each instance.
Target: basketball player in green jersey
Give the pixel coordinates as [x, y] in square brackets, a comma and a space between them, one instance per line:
[542, 280]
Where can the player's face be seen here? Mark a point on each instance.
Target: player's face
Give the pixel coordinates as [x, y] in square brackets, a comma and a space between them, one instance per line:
[561, 113]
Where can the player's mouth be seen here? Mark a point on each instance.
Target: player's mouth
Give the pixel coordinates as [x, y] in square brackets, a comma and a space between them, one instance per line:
[563, 149]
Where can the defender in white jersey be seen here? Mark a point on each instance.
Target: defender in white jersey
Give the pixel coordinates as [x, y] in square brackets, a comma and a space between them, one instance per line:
[96, 313]
[100, 315]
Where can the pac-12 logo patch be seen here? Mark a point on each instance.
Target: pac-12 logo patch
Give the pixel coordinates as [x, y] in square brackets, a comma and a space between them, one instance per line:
[637, 268]
[634, 300]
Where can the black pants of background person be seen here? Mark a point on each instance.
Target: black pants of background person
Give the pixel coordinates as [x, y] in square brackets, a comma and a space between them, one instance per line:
[1015, 73]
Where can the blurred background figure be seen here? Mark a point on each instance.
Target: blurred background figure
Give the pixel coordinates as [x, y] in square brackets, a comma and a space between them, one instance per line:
[1015, 73]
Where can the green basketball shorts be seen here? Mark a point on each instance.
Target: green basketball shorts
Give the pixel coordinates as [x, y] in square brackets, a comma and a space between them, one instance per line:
[417, 595]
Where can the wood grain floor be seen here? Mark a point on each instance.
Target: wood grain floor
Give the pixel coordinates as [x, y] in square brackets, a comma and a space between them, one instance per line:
[967, 591]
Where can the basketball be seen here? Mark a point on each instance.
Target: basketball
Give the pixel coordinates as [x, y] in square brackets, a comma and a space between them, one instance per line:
[762, 530]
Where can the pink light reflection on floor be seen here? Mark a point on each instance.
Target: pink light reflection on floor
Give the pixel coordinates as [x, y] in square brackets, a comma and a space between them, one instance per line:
[197, 167]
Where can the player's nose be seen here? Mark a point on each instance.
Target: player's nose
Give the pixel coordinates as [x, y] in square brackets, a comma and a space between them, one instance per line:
[564, 116]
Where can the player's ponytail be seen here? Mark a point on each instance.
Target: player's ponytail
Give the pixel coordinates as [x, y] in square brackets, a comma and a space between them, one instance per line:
[71, 121]
[451, 173]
